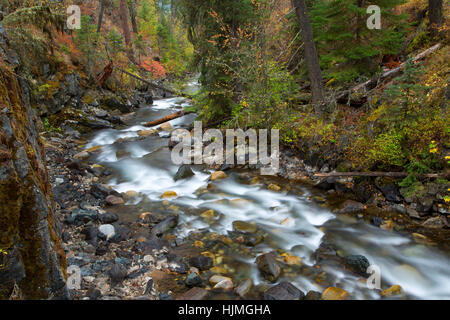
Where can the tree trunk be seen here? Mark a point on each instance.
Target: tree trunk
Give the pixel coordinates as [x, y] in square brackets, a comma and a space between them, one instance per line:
[100, 15]
[132, 8]
[435, 15]
[311, 57]
[126, 28]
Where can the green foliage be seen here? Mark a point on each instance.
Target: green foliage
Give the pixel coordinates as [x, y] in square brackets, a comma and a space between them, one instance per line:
[226, 40]
[115, 41]
[86, 39]
[347, 48]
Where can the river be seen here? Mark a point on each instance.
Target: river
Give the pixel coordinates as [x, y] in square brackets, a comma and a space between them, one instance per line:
[292, 220]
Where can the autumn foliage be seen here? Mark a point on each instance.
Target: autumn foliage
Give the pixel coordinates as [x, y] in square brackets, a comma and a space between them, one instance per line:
[154, 67]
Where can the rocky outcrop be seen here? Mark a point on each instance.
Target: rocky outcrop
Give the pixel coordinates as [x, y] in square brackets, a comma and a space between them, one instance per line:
[32, 265]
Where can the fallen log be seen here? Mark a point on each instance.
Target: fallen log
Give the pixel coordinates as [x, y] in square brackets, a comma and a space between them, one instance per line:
[154, 85]
[172, 116]
[346, 96]
[380, 174]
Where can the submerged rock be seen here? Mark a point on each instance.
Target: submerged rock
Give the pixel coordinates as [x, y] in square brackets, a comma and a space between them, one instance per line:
[392, 291]
[164, 226]
[351, 206]
[194, 294]
[243, 289]
[333, 293]
[201, 262]
[193, 280]
[268, 266]
[284, 291]
[244, 227]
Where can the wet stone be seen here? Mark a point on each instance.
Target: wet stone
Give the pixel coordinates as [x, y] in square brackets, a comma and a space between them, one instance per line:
[201, 262]
[108, 218]
[351, 206]
[268, 266]
[183, 172]
[244, 227]
[358, 264]
[193, 280]
[244, 288]
[284, 291]
[313, 295]
[333, 293]
[194, 294]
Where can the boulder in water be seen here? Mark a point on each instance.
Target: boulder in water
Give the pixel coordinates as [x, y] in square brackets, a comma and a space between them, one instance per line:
[183, 172]
[268, 266]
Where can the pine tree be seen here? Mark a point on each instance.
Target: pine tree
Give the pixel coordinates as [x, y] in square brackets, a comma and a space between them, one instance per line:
[347, 48]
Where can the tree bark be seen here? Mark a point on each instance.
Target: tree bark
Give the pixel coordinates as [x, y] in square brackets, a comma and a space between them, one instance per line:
[435, 15]
[311, 57]
[100, 15]
[132, 8]
[126, 28]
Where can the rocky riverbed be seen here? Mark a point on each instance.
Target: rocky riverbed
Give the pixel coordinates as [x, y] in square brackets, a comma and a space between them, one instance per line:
[137, 227]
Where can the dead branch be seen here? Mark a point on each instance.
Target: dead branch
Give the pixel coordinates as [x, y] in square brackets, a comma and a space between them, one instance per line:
[346, 96]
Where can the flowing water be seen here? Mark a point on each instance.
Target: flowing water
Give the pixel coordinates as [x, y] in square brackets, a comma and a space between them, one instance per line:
[291, 220]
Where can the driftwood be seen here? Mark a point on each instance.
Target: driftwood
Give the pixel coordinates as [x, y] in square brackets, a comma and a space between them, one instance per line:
[154, 85]
[346, 96]
[172, 116]
[380, 174]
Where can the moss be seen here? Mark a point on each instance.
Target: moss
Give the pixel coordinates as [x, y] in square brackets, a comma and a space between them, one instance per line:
[20, 212]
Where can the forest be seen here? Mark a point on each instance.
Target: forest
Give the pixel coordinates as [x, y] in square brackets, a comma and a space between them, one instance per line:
[96, 96]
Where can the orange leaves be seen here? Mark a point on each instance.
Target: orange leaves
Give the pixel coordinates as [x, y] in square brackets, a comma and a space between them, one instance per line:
[154, 67]
[64, 39]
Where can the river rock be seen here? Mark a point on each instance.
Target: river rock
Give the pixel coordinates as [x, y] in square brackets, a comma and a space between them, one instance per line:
[101, 191]
[313, 295]
[268, 266]
[114, 201]
[351, 206]
[244, 227]
[108, 230]
[166, 126]
[333, 293]
[82, 155]
[193, 280]
[284, 291]
[108, 218]
[217, 175]
[358, 264]
[194, 294]
[169, 194]
[146, 133]
[117, 273]
[164, 226]
[201, 262]
[215, 279]
[225, 285]
[392, 291]
[434, 222]
[243, 289]
[274, 187]
[184, 172]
